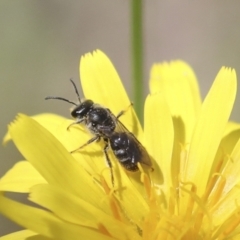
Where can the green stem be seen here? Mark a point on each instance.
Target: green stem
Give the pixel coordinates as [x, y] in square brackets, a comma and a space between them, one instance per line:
[137, 55]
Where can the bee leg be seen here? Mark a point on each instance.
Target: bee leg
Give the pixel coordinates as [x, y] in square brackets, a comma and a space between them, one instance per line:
[94, 139]
[123, 111]
[109, 163]
[74, 123]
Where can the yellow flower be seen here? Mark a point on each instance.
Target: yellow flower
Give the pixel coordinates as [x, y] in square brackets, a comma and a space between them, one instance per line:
[192, 193]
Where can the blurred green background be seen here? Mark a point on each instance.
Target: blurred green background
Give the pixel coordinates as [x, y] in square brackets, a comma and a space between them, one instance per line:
[41, 42]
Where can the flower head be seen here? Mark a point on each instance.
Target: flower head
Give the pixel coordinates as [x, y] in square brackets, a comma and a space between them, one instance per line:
[192, 193]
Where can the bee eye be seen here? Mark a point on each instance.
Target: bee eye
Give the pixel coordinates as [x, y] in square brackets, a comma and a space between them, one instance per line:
[94, 124]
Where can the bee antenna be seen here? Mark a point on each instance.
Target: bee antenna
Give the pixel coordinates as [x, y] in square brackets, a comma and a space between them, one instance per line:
[60, 98]
[76, 91]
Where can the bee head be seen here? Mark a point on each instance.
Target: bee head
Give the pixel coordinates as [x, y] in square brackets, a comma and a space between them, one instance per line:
[81, 110]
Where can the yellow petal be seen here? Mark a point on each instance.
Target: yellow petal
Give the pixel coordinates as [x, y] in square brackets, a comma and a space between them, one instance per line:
[45, 223]
[231, 173]
[127, 193]
[20, 178]
[231, 170]
[78, 212]
[72, 139]
[101, 83]
[38, 237]
[210, 128]
[177, 81]
[20, 235]
[49, 121]
[236, 235]
[51, 159]
[57, 201]
[230, 192]
[231, 136]
[231, 127]
[159, 138]
[226, 207]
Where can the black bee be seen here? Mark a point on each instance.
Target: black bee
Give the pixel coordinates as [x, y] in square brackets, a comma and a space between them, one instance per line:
[103, 124]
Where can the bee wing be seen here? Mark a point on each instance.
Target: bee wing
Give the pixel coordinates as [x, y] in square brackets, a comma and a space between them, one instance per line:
[120, 127]
[145, 158]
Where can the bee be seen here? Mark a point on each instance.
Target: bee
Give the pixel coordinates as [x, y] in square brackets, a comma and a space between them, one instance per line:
[103, 124]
